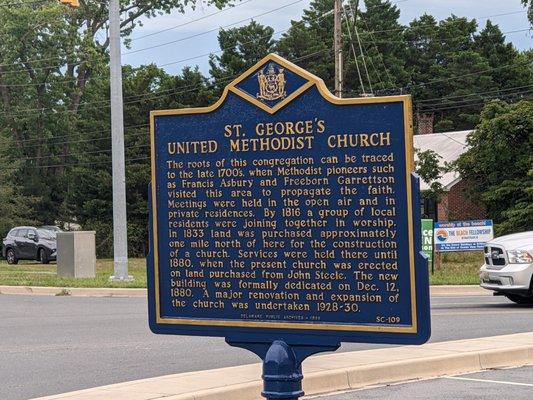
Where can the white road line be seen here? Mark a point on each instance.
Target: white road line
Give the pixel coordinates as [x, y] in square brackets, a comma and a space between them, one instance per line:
[436, 303]
[488, 381]
[462, 296]
[488, 312]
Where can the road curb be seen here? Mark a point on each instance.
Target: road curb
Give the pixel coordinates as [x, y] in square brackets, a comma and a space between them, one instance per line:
[69, 291]
[444, 290]
[458, 290]
[329, 373]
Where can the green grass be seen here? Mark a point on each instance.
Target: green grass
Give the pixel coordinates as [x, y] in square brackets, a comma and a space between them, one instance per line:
[31, 273]
[458, 269]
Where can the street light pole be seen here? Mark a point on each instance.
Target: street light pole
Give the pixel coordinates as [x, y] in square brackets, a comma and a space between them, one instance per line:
[120, 235]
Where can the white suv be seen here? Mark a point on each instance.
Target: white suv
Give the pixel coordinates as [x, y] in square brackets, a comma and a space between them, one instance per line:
[508, 267]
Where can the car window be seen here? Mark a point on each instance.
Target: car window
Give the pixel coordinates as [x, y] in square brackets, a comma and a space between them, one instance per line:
[13, 232]
[22, 233]
[46, 234]
[32, 232]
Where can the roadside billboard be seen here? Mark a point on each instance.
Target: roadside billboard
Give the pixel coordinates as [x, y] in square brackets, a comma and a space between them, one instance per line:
[462, 235]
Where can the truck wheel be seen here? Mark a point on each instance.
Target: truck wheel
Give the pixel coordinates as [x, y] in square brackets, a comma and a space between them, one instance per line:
[11, 257]
[43, 257]
[520, 299]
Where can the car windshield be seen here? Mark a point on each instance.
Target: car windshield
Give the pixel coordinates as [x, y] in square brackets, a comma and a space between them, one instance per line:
[46, 234]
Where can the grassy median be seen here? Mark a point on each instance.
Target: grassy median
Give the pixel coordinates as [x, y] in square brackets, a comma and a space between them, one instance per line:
[31, 273]
[456, 269]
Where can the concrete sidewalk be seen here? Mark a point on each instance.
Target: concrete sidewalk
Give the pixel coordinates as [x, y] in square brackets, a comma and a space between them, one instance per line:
[328, 373]
[444, 290]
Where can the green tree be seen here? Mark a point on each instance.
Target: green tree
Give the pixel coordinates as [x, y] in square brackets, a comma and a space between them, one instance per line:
[15, 209]
[427, 166]
[241, 48]
[490, 44]
[455, 70]
[499, 164]
[381, 35]
[310, 41]
[422, 54]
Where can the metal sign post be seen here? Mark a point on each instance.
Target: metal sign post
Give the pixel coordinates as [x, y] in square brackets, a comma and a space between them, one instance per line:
[120, 227]
[286, 220]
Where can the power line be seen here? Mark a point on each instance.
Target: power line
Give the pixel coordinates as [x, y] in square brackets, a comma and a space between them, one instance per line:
[403, 28]
[472, 105]
[148, 96]
[443, 99]
[79, 134]
[361, 50]
[191, 22]
[78, 164]
[440, 39]
[83, 153]
[353, 50]
[471, 73]
[372, 37]
[477, 102]
[212, 30]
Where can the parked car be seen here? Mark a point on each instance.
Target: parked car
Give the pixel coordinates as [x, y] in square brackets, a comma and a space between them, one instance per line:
[508, 267]
[29, 243]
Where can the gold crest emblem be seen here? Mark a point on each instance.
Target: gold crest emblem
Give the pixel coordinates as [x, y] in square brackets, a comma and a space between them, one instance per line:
[271, 84]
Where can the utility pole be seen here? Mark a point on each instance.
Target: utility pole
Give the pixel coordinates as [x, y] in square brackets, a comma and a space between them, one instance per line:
[120, 235]
[337, 47]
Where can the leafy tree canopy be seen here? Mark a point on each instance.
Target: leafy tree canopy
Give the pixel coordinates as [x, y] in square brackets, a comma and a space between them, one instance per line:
[500, 162]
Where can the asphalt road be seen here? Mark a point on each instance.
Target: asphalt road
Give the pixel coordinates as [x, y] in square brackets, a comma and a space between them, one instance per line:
[515, 383]
[50, 345]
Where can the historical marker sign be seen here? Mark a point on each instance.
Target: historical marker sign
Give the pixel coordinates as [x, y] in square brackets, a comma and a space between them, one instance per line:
[283, 211]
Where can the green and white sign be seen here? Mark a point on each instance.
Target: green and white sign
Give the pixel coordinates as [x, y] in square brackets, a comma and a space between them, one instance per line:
[427, 239]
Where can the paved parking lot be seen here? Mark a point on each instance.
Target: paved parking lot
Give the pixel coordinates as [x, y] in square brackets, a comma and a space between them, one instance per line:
[501, 384]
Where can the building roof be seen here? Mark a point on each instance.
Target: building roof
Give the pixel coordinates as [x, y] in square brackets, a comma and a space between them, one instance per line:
[448, 145]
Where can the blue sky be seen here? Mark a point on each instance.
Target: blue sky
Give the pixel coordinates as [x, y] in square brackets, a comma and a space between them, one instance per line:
[203, 27]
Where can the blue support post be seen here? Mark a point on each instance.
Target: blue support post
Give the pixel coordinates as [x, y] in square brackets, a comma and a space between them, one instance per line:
[282, 373]
[282, 365]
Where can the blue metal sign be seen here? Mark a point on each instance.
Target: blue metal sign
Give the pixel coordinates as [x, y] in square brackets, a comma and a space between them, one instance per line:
[284, 212]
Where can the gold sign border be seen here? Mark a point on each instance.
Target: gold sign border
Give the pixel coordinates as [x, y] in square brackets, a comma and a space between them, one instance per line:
[327, 95]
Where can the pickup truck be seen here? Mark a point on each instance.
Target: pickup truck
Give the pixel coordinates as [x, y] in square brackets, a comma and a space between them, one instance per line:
[508, 267]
